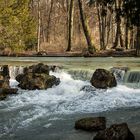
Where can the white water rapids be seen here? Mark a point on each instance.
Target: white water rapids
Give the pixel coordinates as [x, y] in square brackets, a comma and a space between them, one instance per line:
[66, 98]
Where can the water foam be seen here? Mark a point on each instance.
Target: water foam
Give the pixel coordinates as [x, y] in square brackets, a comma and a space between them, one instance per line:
[66, 98]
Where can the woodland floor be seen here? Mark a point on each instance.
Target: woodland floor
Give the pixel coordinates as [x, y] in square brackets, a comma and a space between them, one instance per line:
[107, 53]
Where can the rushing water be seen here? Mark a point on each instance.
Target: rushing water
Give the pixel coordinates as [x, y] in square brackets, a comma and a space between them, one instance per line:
[50, 114]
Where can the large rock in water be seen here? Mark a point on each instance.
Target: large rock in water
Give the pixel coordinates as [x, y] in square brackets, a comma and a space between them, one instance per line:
[37, 77]
[115, 132]
[4, 92]
[4, 77]
[5, 88]
[91, 124]
[103, 79]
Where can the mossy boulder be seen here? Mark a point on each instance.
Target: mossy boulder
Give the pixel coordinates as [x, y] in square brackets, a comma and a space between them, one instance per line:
[91, 124]
[4, 92]
[103, 79]
[37, 77]
[3, 97]
[4, 77]
[39, 68]
[5, 88]
[115, 132]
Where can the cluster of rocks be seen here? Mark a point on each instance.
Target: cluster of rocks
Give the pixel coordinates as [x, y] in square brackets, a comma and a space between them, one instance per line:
[37, 77]
[5, 88]
[103, 79]
[98, 124]
[33, 77]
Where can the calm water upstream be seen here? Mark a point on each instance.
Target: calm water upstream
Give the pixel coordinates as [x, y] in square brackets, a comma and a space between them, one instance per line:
[51, 114]
[72, 62]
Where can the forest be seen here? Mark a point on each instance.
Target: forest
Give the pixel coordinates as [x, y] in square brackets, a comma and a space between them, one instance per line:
[87, 26]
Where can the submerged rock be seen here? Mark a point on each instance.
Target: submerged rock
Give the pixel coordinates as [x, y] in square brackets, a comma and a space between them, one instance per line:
[2, 97]
[115, 132]
[37, 77]
[88, 88]
[103, 79]
[8, 91]
[91, 124]
[4, 92]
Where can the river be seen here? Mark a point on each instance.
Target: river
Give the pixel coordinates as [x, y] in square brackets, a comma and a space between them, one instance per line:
[51, 114]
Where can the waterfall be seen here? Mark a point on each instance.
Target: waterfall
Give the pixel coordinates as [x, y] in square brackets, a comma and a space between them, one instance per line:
[86, 74]
[81, 74]
[119, 73]
[1, 68]
[15, 70]
[133, 77]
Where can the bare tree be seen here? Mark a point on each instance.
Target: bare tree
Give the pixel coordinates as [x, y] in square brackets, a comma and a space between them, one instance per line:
[70, 24]
[118, 36]
[91, 47]
[49, 20]
[39, 27]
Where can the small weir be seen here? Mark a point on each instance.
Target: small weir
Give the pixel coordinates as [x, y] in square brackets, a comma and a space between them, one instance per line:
[15, 70]
[132, 79]
[122, 74]
[81, 74]
[119, 73]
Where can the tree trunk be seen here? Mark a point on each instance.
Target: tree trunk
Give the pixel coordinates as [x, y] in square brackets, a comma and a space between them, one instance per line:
[49, 21]
[91, 47]
[39, 27]
[67, 20]
[138, 42]
[70, 24]
[118, 36]
[112, 32]
[121, 39]
[108, 28]
[100, 27]
[126, 34]
[103, 21]
[54, 26]
[131, 44]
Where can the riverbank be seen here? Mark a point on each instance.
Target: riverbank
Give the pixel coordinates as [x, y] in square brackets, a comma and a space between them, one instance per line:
[107, 53]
